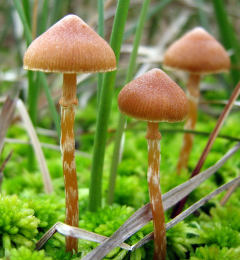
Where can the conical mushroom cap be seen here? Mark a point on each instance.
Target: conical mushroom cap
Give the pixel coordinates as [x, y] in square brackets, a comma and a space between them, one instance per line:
[197, 52]
[153, 97]
[70, 46]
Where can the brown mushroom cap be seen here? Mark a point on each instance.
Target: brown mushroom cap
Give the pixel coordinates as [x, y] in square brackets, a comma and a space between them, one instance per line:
[197, 52]
[70, 46]
[153, 97]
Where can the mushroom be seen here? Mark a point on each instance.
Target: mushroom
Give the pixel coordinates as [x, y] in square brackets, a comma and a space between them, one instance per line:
[70, 46]
[198, 53]
[154, 97]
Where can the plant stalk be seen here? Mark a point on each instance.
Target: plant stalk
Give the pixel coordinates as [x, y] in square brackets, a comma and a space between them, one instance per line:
[193, 98]
[68, 102]
[42, 78]
[104, 107]
[101, 33]
[34, 19]
[228, 36]
[122, 121]
[153, 137]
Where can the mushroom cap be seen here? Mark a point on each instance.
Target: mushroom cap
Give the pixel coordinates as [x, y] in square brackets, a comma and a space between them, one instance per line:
[153, 97]
[70, 46]
[197, 52]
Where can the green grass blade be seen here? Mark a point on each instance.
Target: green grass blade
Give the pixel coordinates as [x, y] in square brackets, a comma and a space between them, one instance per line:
[101, 33]
[32, 108]
[32, 93]
[41, 76]
[95, 193]
[228, 37]
[27, 11]
[152, 11]
[122, 118]
[51, 104]
[27, 30]
[59, 9]
[43, 17]
[203, 18]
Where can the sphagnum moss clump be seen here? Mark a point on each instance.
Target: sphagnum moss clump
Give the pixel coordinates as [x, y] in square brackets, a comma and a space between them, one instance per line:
[24, 253]
[18, 225]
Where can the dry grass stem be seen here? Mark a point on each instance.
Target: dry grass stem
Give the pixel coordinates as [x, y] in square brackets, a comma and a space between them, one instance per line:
[6, 117]
[36, 146]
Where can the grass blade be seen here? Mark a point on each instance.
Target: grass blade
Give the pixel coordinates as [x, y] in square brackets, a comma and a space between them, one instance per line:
[27, 30]
[131, 226]
[27, 10]
[6, 118]
[36, 145]
[51, 104]
[203, 18]
[67, 230]
[41, 76]
[122, 118]
[43, 17]
[101, 33]
[153, 11]
[34, 19]
[228, 36]
[95, 193]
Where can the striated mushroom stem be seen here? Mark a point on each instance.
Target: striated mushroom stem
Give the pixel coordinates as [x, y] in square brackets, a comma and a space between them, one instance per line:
[68, 102]
[153, 136]
[193, 98]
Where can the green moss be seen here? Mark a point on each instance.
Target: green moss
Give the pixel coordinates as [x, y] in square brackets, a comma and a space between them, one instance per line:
[49, 209]
[22, 182]
[135, 191]
[24, 253]
[214, 252]
[18, 225]
[178, 241]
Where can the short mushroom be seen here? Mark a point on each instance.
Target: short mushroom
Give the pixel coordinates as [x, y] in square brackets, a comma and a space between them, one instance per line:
[154, 97]
[197, 53]
[70, 46]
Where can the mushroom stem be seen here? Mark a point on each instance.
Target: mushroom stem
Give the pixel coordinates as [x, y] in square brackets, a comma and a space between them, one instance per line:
[68, 102]
[193, 97]
[153, 136]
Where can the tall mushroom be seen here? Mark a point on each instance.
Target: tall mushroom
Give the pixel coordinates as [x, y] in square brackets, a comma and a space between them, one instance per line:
[198, 53]
[154, 97]
[70, 46]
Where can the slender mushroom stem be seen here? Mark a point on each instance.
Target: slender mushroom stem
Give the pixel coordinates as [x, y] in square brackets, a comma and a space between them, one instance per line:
[193, 98]
[153, 136]
[68, 102]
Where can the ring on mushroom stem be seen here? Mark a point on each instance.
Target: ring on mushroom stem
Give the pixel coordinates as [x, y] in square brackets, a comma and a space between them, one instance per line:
[198, 53]
[154, 97]
[70, 46]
